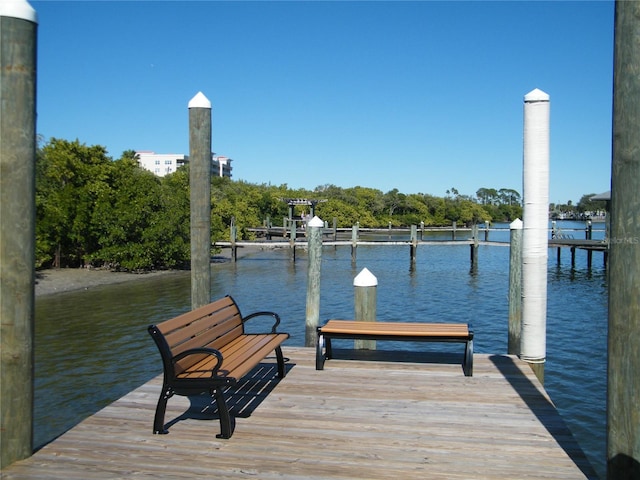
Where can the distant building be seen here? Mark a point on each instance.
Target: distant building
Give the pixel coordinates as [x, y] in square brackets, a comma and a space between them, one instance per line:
[165, 163]
[221, 166]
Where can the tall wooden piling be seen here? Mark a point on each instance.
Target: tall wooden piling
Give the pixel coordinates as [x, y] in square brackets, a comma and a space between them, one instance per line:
[473, 248]
[315, 227]
[535, 241]
[354, 243]
[623, 392]
[365, 301]
[200, 186]
[18, 46]
[414, 245]
[515, 287]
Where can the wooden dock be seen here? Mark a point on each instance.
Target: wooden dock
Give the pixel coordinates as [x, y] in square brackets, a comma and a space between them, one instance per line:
[358, 418]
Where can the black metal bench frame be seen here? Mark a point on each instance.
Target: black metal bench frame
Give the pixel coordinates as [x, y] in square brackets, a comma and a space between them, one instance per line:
[324, 337]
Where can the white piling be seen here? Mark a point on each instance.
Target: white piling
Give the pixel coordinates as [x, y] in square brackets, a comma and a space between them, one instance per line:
[365, 286]
[315, 228]
[535, 236]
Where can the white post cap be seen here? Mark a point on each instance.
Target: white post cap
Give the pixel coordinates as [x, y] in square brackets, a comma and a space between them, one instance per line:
[18, 9]
[316, 222]
[199, 101]
[365, 279]
[536, 95]
[516, 224]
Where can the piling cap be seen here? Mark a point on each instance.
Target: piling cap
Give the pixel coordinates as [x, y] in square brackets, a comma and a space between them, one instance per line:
[315, 222]
[516, 224]
[365, 279]
[199, 101]
[536, 95]
[18, 9]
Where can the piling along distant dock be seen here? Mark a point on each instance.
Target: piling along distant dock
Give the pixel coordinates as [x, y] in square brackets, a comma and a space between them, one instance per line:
[391, 415]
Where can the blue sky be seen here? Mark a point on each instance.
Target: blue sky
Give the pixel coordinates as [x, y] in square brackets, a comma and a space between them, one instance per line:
[419, 96]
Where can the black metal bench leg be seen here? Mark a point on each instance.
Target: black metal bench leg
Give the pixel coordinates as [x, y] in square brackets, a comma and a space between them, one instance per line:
[158, 421]
[280, 357]
[226, 422]
[467, 366]
[319, 352]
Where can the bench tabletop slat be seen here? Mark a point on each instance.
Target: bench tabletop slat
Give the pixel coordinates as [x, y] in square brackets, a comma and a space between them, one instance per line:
[395, 328]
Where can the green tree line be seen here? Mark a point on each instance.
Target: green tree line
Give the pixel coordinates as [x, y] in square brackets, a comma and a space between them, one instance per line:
[93, 210]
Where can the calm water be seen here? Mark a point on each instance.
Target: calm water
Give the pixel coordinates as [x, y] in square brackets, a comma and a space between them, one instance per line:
[92, 346]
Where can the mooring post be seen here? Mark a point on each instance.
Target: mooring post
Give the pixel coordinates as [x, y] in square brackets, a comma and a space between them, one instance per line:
[365, 286]
[486, 230]
[18, 46]
[316, 226]
[535, 242]
[422, 230]
[588, 235]
[200, 198]
[623, 380]
[292, 239]
[335, 229]
[474, 248]
[515, 286]
[354, 242]
[233, 233]
[414, 244]
[454, 224]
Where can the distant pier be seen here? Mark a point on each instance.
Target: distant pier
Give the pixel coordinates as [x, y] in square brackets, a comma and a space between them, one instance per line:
[293, 239]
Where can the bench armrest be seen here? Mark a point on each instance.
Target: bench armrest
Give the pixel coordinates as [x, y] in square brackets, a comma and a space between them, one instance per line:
[273, 315]
[200, 351]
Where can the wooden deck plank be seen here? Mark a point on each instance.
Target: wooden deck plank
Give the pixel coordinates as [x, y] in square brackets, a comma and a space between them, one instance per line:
[360, 419]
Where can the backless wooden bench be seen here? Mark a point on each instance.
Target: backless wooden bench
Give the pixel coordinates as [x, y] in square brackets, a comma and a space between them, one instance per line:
[207, 350]
[397, 331]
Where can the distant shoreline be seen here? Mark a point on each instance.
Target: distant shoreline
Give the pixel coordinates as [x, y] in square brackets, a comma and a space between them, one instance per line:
[61, 280]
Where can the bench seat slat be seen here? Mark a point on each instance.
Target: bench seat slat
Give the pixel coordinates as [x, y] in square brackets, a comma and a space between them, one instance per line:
[244, 354]
[400, 329]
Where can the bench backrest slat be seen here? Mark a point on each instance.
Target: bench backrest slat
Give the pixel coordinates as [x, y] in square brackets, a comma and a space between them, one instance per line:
[212, 325]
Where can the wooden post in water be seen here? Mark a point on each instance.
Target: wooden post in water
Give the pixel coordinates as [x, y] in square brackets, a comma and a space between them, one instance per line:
[354, 243]
[292, 239]
[200, 198]
[474, 248]
[623, 392]
[454, 224]
[588, 233]
[233, 233]
[18, 45]
[315, 226]
[535, 242]
[365, 294]
[515, 287]
[414, 245]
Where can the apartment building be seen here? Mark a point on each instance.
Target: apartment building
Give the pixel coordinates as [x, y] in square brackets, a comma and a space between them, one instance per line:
[165, 163]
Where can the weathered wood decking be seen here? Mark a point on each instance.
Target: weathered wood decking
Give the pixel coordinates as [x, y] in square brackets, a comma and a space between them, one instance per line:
[356, 419]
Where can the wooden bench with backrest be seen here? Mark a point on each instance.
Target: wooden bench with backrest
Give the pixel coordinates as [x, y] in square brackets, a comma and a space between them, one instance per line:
[207, 350]
[397, 331]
